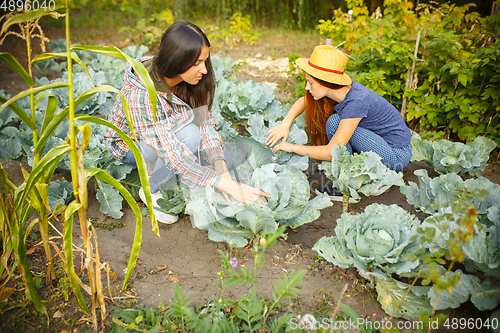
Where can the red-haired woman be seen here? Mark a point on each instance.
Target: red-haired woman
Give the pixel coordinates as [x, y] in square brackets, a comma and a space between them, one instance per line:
[340, 111]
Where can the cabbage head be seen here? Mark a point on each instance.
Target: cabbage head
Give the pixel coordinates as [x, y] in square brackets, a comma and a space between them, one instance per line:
[355, 173]
[237, 222]
[376, 242]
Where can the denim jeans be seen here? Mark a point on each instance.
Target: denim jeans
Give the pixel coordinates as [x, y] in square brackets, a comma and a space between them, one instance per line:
[365, 140]
[189, 135]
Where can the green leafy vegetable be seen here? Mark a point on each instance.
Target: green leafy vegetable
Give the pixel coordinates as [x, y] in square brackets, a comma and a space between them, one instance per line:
[485, 295]
[376, 241]
[237, 101]
[454, 157]
[483, 251]
[362, 172]
[237, 222]
[59, 193]
[440, 193]
[258, 129]
[173, 199]
[358, 172]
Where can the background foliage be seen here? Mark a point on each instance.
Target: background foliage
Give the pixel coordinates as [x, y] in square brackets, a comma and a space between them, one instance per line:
[453, 90]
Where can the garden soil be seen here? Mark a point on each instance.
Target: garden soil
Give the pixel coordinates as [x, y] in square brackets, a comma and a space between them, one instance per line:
[183, 254]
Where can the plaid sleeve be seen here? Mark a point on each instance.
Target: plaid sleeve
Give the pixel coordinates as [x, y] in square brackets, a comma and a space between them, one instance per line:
[176, 155]
[211, 142]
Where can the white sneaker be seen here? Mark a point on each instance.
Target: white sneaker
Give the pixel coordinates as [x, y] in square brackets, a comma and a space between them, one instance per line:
[160, 216]
[384, 189]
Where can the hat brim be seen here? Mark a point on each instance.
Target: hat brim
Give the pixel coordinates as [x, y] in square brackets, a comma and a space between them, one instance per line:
[341, 79]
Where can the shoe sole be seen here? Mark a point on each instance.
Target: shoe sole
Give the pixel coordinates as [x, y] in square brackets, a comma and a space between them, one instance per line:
[160, 216]
[337, 198]
[170, 219]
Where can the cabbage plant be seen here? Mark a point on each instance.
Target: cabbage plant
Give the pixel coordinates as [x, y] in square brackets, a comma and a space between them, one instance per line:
[237, 222]
[355, 173]
[440, 193]
[258, 128]
[454, 157]
[376, 241]
[482, 251]
[237, 101]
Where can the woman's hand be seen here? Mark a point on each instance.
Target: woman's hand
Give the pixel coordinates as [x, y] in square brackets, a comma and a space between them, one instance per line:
[284, 146]
[241, 192]
[226, 175]
[221, 167]
[276, 133]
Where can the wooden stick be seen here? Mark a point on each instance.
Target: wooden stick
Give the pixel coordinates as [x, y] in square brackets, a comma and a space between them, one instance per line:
[409, 76]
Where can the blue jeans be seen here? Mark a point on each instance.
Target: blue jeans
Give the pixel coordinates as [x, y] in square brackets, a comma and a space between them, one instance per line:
[189, 135]
[365, 140]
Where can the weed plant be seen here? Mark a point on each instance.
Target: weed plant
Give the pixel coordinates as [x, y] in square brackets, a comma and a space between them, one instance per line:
[248, 313]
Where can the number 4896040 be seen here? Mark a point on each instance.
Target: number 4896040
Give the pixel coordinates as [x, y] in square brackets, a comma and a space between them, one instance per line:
[471, 323]
[28, 5]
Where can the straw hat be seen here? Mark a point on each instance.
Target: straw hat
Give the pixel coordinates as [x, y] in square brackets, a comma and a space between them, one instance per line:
[327, 63]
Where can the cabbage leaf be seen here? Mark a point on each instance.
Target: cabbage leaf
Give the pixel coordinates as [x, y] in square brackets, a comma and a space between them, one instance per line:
[390, 292]
[258, 129]
[485, 295]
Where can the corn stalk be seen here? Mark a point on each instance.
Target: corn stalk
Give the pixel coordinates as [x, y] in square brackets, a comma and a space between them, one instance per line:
[17, 203]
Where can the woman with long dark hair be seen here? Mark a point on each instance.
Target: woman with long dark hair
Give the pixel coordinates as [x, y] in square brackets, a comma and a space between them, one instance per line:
[184, 128]
[340, 111]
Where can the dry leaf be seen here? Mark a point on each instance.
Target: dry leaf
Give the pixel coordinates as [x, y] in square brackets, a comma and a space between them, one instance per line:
[58, 314]
[173, 279]
[160, 268]
[83, 320]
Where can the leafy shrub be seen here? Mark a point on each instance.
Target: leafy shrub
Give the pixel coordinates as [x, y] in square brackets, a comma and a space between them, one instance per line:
[455, 80]
[240, 30]
[298, 74]
[148, 28]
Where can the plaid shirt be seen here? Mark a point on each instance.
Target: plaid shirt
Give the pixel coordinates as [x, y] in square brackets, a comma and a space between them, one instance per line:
[172, 114]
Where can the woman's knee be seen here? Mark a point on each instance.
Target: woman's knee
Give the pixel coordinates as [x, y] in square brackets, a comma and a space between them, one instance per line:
[148, 154]
[332, 124]
[190, 135]
[403, 159]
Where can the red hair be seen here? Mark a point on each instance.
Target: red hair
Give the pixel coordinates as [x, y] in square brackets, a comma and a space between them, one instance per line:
[317, 113]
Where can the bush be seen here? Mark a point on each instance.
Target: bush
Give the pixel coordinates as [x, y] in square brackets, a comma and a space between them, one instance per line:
[455, 76]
